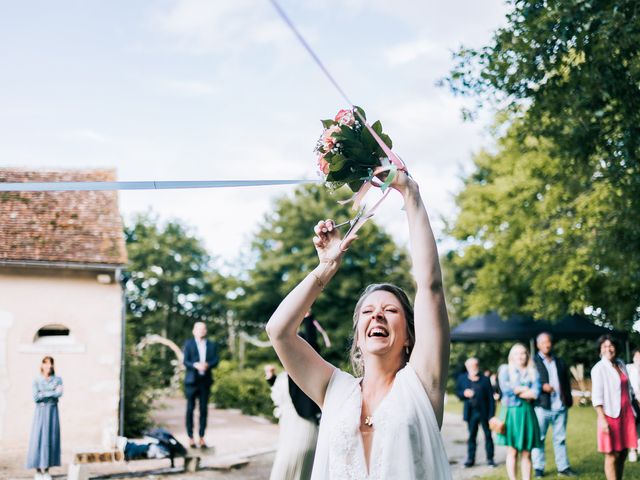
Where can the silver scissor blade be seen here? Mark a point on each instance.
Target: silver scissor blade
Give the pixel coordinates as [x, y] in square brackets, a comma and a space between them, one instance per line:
[355, 220]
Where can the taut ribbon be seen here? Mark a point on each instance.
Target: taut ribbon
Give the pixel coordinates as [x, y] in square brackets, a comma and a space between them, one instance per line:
[150, 185]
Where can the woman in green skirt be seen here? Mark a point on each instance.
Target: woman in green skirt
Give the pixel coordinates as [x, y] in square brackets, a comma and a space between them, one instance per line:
[520, 386]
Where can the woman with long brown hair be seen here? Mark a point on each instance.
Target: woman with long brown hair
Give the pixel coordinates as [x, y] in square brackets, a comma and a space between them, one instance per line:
[44, 443]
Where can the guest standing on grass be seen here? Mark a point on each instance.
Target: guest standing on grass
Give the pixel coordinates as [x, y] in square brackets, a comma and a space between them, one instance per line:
[612, 397]
[44, 443]
[634, 377]
[475, 390]
[520, 386]
[552, 406]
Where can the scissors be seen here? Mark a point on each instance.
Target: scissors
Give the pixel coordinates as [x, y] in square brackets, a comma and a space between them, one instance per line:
[353, 221]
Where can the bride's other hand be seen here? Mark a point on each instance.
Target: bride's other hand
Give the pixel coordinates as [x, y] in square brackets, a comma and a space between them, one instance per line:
[404, 183]
[329, 245]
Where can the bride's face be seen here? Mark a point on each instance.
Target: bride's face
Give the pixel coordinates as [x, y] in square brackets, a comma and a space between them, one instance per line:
[382, 326]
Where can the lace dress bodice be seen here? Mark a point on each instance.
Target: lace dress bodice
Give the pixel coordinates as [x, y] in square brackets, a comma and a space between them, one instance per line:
[406, 441]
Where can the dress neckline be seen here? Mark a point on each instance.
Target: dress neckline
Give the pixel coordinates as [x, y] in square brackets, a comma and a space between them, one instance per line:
[374, 432]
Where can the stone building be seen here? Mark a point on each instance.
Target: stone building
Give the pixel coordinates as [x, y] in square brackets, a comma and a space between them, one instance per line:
[61, 254]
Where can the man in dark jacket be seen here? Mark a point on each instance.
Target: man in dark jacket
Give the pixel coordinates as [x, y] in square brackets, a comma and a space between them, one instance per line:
[475, 390]
[200, 358]
[552, 406]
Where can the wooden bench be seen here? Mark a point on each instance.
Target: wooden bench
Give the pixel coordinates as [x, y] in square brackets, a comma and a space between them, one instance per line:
[78, 468]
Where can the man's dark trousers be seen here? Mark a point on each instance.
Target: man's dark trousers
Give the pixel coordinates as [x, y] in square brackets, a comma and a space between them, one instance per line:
[197, 391]
[476, 420]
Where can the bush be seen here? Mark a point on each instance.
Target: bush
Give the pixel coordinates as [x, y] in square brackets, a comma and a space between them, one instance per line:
[137, 398]
[245, 389]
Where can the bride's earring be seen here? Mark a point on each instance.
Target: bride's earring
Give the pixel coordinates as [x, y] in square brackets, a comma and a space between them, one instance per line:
[406, 350]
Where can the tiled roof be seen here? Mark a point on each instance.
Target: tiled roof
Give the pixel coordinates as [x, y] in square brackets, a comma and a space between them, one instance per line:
[75, 227]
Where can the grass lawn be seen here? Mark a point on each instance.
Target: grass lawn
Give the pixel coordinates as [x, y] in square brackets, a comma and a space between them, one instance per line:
[581, 445]
[453, 405]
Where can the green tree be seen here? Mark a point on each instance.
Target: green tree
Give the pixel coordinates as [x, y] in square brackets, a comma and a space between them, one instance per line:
[536, 238]
[284, 254]
[575, 66]
[172, 280]
[549, 220]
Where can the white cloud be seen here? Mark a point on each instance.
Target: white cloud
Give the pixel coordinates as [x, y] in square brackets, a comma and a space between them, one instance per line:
[407, 52]
[205, 26]
[88, 135]
[192, 88]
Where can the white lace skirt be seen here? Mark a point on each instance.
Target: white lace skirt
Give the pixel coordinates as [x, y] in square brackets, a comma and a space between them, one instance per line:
[297, 439]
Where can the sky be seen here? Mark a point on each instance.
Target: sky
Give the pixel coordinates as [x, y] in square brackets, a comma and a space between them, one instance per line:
[217, 90]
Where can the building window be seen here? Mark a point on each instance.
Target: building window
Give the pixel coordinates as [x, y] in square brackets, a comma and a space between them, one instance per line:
[48, 331]
[53, 338]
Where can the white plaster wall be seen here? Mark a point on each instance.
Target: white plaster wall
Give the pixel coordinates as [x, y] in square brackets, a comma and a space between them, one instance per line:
[90, 368]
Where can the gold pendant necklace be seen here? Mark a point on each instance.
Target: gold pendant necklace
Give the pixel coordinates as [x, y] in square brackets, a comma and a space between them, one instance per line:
[368, 420]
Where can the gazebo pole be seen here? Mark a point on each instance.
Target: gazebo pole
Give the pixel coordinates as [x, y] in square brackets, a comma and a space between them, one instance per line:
[628, 350]
[532, 346]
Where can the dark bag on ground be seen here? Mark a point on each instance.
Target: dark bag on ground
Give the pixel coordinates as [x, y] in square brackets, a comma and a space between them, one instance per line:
[168, 442]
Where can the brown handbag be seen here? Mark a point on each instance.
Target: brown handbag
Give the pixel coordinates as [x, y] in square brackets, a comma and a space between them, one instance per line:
[497, 425]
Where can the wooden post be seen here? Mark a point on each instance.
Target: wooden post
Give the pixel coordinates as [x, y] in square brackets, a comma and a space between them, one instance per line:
[241, 352]
[78, 472]
[191, 464]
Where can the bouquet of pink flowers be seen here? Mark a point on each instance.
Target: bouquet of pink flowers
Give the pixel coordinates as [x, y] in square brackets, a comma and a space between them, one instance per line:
[347, 151]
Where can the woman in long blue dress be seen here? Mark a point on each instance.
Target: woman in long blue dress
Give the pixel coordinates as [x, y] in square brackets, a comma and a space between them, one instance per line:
[44, 443]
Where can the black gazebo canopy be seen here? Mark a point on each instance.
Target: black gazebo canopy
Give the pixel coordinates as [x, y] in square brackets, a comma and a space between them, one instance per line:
[492, 328]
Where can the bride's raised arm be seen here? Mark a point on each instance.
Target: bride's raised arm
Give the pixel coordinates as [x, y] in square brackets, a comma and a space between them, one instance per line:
[430, 355]
[305, 366]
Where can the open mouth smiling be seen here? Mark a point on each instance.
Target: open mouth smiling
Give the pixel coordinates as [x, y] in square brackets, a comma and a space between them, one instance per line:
[378, 332]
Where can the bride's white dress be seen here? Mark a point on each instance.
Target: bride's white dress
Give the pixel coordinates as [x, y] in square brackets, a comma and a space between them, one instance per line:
[407, 444]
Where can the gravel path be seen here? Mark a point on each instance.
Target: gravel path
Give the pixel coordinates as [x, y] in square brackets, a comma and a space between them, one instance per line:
[236, 438]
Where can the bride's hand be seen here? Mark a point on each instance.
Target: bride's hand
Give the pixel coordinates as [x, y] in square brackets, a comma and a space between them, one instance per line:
[329, 245]
[404, 183]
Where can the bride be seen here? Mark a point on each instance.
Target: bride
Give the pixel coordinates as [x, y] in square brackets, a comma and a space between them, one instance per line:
[386, 423]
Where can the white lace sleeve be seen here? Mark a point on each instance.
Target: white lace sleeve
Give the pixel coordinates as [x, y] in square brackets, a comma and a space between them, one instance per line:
[280, 393]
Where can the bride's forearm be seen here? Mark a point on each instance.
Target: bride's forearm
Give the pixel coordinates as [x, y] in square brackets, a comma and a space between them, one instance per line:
[424, 253]
[287, 318]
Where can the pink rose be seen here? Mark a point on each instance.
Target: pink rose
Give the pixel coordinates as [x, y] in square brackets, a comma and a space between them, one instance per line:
[323, 165]
[345, 117]
[328, 142]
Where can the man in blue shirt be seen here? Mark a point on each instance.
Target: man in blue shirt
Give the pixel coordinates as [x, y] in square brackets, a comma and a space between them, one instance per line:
[552, 406]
